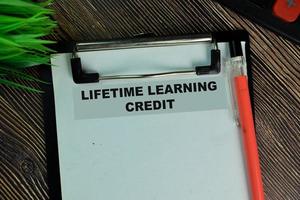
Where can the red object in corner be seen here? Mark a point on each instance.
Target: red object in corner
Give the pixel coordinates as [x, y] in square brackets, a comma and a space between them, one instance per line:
[287, 10]
[249, 138]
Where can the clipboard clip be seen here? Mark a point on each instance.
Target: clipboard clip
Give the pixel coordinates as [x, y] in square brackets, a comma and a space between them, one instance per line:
[80, 76]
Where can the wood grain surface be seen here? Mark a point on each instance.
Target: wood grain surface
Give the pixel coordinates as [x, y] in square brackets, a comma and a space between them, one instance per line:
[276, 76]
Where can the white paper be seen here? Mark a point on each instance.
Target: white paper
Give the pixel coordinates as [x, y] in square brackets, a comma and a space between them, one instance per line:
[185, 155]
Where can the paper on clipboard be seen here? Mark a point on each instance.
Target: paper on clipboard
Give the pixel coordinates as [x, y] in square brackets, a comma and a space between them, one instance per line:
[192, 153]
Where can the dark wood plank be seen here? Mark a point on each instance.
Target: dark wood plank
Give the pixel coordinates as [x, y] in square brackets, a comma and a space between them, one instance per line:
[276, 75]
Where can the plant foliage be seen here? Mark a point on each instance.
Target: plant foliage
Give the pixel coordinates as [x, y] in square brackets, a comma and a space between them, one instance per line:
[22, 25]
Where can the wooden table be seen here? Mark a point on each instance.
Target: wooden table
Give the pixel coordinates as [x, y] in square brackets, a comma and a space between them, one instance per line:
[276, 74]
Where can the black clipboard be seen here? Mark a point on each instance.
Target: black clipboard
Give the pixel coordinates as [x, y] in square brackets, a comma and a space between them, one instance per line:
[233, 37]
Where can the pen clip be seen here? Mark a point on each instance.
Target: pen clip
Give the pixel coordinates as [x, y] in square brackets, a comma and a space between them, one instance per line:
[235, 67]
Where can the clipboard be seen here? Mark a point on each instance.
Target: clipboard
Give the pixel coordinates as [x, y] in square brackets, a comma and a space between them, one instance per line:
[148, 118]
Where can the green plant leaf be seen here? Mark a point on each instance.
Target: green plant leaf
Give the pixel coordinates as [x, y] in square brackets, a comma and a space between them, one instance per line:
[23, 23]
[12, 23]
[20, 7]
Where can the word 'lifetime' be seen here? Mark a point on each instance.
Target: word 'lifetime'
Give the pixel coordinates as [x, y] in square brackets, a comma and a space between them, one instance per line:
[137, 91]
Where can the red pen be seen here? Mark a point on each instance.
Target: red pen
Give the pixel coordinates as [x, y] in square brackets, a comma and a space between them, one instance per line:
[248, 136]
